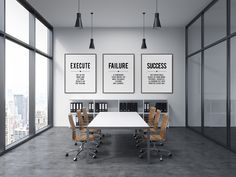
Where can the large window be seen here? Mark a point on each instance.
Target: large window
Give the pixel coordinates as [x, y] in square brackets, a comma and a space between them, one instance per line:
[17, 21]
[215, 93]
[233, 94]
[1, 15]
[41, 99]
[194, 36]
[2, 96]
[194, 94]
[24, 71]
[218, 83]
[43, 37]
[215, 22]
[17, 92]
[233, 16]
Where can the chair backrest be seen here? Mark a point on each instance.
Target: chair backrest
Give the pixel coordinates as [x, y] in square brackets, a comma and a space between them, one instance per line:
[164, 124]
[85, 115]
[80, 119]
[157, 118]
[151, 115]
[72, 126]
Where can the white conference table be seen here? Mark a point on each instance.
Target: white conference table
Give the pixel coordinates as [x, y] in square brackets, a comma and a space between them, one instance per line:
[120, 120]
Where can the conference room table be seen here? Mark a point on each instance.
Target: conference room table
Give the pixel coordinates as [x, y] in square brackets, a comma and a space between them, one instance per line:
[119, 120]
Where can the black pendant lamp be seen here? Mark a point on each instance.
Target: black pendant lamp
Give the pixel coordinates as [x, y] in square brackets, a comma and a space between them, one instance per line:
[91, 45]
[157, 23]
[144, 46]
[78, 22]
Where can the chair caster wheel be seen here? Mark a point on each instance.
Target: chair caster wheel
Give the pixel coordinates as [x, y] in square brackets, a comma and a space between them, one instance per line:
[101, 142]
[141, 151]
[140, 156]
[170, 155]
[75, 144]
[103, 135]
[95, 151]
[67, 154]
[137, 146]
[94, 156]
[97, 146]
[75, 159]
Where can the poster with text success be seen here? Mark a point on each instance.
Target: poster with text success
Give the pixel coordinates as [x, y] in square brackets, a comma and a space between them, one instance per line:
[80, 73]
[157, 73]
[118, 73]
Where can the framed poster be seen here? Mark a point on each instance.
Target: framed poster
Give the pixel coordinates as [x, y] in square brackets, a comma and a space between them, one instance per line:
[80, 73]
[118, 73]
[157, 73]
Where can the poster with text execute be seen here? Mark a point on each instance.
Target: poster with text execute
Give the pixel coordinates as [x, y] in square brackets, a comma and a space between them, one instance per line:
[118, 73]
[80, 73]
[157, 73]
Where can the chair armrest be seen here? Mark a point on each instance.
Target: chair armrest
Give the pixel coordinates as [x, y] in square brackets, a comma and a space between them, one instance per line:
[77, 127]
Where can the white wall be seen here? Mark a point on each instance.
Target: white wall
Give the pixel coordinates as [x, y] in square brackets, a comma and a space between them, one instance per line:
[120, 40]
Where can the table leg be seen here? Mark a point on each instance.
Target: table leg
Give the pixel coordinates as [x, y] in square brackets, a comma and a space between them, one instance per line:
[148, 145]
[87, 149]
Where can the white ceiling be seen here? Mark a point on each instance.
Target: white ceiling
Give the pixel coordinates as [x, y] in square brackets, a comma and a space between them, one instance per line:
[118, 13]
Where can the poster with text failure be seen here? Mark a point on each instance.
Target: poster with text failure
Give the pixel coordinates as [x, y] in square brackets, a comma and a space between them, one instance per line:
[118, 73]
[80, 73]
[157, 73]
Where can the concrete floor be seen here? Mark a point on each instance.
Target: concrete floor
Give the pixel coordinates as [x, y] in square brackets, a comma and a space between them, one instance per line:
[44, 156]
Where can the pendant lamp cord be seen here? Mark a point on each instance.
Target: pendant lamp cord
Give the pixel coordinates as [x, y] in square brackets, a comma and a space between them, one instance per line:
[143, 24]
[91, 24]
[156, 5]
[78, 5]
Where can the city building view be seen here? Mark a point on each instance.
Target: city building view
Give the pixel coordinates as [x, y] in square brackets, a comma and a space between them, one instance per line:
[17, 125]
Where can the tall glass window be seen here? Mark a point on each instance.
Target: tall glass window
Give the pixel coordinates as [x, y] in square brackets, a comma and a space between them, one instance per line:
[42, 37]
[233, 94]
[17, 92]
[1, 15]
[17, 20]
[215, 93]
[41, 100]
[233, 16]
[194, 36]
[194, 92]
[215, 72]
[215, 22]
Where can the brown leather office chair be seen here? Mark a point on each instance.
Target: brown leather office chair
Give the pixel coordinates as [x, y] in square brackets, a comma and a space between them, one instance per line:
[155, 127]
[85, 116]
[83, 120]
[140, 133]
[86, 120]
[83, 123]
[80, 137]
[151, 116]
[158, 138]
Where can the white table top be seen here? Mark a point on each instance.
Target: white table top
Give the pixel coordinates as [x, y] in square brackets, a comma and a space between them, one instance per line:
[118, 120]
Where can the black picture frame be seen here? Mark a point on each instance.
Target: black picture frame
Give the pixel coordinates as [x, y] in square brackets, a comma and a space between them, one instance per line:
[95, 73]
[172, 75]
[133, 90]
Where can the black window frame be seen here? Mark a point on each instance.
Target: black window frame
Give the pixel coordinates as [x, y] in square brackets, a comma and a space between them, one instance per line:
[32, 50]
[226, 39]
